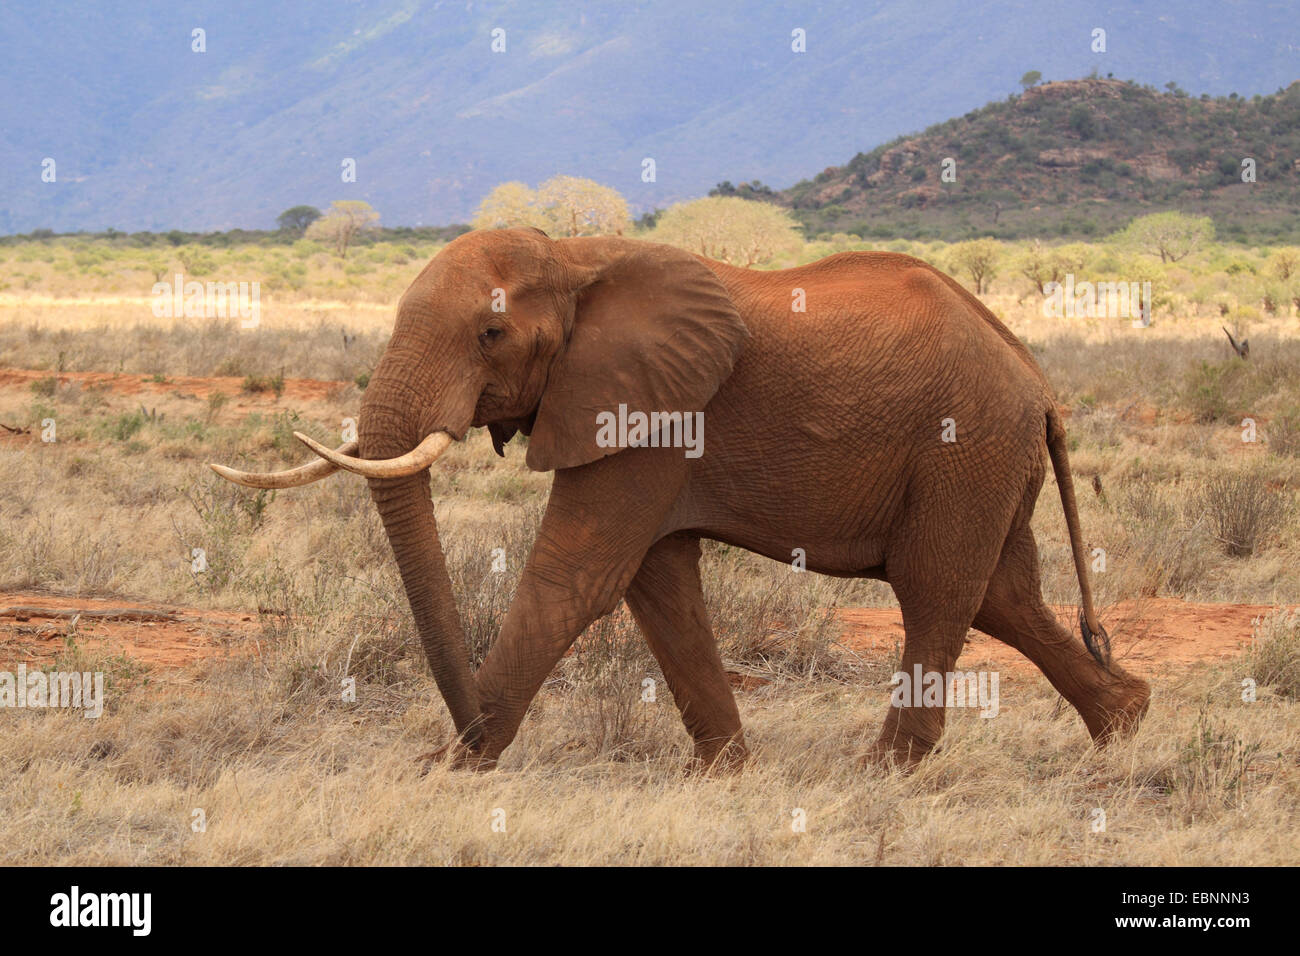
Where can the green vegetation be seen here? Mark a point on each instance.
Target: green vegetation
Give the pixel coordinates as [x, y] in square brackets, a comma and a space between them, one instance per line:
[1074, 159]
[1169, 235]
[297, 219]
[165, 242]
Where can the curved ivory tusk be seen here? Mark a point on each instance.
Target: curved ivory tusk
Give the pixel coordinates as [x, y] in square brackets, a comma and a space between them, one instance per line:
[302, 475]
[415, 460]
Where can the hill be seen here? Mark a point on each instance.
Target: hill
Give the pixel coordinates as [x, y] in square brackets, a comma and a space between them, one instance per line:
[1073, 159]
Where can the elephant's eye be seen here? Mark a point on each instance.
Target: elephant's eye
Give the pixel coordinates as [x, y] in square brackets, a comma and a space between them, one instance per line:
[488, 336]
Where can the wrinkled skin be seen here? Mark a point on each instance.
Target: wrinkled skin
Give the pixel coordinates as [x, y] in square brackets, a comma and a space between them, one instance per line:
[822, 432]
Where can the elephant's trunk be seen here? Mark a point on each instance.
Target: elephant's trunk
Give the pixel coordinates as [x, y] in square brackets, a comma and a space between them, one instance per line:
[386, 429]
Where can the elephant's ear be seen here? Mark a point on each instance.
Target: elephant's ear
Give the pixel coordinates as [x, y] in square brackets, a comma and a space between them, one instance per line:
[652, 329]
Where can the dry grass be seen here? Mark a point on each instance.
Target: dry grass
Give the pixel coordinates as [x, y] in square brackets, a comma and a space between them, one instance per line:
[1274, 659]
[304, 779]
[286, 772]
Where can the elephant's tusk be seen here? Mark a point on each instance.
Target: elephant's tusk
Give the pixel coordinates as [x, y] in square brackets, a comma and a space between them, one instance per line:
[302, 475]
[415, 460]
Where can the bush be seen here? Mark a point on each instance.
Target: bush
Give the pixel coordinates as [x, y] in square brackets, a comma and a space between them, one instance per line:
[1284, 433]
[45, 387]
[1274, 656]
[768, 618]
[1242, 510]
[260, 383]
[126, 425]
[1211, 391]
[1210, 770]
[1169, 554]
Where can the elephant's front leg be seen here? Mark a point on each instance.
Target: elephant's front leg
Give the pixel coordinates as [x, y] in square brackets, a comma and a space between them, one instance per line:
[600, 521]
[667, 601]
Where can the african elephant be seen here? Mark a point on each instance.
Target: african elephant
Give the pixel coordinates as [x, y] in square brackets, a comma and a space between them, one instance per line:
[865, 408]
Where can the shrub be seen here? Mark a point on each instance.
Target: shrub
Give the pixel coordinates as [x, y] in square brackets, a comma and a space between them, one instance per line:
[261, 383]
[1211, 391]
[1210, 770]
[1242, 509]
[1274, 656]
[1284, 433]
[45, 387]
[126, 425]
[1168, 553]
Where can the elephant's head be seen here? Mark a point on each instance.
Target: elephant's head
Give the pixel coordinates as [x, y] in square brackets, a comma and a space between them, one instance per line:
[511, 330]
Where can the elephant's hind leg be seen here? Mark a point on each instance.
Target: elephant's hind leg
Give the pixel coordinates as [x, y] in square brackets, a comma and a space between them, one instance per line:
[939, 566]
[666, 599]
[1110, 700]
[936, 628]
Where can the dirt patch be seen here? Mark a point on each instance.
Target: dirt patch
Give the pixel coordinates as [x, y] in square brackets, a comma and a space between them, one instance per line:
[1150, 637]
[120, 383]
[35, 629]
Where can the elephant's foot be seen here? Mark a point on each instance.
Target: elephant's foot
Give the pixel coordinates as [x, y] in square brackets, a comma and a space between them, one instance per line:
[899, 755]
[459, 755]
[712, 758]
[1118, 716]
[906, 738]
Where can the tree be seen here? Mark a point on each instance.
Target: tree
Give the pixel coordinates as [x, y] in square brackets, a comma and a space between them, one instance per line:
[561, 206]
[1030, 79]
[1082, 122]
[754, 189]
[510, 204]
[1286, 262]
[739, 231]
[1170, 235]
[1041, 264]
[978, 258]
[340, 225]
[648, 220]
[297, 218]
[582, 207]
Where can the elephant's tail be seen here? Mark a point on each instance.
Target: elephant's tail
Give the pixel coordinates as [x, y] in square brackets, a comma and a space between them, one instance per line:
[1095, 637]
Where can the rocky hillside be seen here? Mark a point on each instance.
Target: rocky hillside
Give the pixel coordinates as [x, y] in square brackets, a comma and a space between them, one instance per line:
[1074, 159]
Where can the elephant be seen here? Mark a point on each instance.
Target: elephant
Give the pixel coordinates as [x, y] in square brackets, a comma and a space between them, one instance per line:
[865, 408]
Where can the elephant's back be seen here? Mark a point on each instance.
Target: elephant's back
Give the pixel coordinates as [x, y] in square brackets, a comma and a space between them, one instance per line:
[885, 320]
[862, 372]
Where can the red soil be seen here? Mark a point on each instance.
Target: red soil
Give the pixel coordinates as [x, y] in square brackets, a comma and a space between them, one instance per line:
[1151, 637]
[35, 628]
[1148, 637]
[122, 383]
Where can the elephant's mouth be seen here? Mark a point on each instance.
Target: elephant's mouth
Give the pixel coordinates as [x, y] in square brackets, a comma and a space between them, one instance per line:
[503, 431]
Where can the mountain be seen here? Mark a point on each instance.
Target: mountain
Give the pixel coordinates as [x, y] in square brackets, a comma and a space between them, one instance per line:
[147, 133]
[1073, 158]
